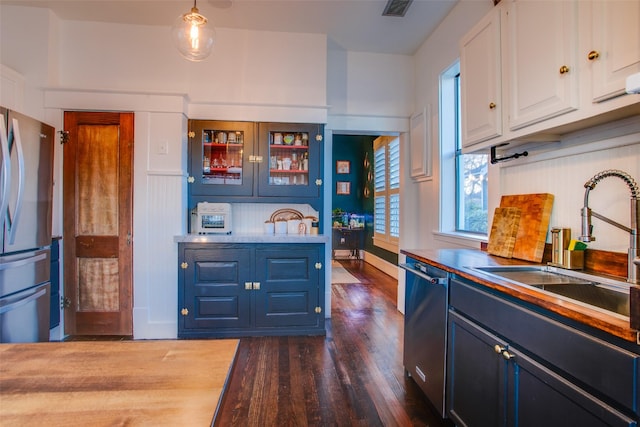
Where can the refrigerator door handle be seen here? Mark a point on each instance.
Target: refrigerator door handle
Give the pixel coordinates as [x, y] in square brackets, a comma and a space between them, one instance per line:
[6, 172]
[22, 261]
[21, 302]
[13, 220]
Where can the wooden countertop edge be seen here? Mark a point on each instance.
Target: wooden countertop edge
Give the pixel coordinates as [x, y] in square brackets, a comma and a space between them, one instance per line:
[593, 318]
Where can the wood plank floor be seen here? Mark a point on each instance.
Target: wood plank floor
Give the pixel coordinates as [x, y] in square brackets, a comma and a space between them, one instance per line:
[352, 377]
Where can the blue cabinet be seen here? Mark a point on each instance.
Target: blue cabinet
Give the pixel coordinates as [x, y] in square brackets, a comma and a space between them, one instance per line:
[247, 162]
[54, 314]
[233, 290]
[511, 366]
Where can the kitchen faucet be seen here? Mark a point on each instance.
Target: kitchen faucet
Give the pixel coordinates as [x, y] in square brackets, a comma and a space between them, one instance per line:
[633, 265]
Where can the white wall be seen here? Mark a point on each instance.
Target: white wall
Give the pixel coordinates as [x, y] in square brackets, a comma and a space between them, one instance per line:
[564, 177]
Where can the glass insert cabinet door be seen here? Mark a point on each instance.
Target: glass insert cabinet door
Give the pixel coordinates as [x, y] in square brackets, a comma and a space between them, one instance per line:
[291, 161]
[220, 158]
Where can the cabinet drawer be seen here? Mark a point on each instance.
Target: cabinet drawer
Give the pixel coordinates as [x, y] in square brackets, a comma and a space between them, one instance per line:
[599, 365]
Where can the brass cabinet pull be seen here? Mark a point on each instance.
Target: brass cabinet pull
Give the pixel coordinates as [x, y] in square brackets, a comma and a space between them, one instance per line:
[564, 69]
[593, 55]
[492, 105]
[507, 355]
[184, 312]
[499, 349]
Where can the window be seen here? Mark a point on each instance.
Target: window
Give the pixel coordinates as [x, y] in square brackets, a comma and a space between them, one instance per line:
[471, 181]
[464, 177]
[386, 215]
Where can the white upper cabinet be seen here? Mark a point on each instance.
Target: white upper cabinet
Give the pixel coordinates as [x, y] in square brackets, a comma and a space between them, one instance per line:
[615, 50]
[542, 61]
[534, 71]
[481, 81]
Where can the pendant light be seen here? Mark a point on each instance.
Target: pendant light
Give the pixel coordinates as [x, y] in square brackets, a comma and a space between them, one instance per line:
[193, 37]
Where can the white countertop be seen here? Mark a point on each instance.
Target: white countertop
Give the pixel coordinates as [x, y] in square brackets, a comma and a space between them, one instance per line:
[251, 238]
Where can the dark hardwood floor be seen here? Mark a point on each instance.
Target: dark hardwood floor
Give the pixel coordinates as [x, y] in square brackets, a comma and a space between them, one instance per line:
[353, 376]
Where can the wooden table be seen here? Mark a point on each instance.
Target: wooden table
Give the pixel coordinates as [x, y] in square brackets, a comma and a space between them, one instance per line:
[100, 383]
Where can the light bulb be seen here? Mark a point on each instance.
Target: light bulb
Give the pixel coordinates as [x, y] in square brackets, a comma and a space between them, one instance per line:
[192, 36]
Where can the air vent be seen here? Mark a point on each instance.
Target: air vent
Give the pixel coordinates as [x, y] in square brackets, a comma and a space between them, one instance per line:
[396, 7]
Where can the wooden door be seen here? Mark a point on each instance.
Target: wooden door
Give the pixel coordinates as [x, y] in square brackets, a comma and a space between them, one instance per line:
[98, 197]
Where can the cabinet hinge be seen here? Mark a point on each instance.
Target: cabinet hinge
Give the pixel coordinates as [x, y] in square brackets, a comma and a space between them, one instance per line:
[191, 134]
[318, 182]
[318, 266]
[191, 179]
[184, 265]
[64, 136]
[318, 310]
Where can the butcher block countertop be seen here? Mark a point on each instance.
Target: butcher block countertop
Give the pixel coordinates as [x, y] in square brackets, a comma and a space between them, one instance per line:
[109, 383]
[457, 260]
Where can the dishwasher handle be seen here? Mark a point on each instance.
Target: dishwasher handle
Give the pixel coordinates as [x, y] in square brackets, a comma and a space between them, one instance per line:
[415, 269]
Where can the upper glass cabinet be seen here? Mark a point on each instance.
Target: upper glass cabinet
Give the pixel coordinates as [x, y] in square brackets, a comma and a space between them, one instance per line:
[252, 160]
[291, 160]
[220, 154]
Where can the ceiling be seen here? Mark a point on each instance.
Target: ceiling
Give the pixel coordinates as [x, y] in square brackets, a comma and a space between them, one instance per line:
[355, 25]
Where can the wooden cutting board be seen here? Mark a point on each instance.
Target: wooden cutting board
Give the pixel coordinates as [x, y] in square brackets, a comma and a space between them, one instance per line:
[535, 213]
[503, 231]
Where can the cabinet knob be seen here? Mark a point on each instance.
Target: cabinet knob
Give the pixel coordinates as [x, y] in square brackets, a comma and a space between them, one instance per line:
[191, 180]
[318, 266]
[256, 286]
[318, 137]
[593, 55]
[184, 312]
[248, 286]
[184, 265]
[492, 105]
[499, 349]
[564, 69]
[318, 182]
[507, 355]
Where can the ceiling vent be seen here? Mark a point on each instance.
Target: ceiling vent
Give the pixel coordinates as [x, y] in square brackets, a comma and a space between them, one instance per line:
[396, 7]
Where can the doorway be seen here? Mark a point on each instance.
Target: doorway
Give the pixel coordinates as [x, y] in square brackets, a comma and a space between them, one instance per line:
[98, 223]
[352, 202]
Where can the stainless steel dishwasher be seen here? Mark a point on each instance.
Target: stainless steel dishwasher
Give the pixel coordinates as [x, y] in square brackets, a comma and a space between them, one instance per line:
[425, 329]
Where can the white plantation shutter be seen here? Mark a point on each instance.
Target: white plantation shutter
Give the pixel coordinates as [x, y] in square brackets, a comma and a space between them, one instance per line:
[379, 215]
[386, 215]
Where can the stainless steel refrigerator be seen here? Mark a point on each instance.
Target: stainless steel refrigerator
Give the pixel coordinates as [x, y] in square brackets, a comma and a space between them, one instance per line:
[26, 193]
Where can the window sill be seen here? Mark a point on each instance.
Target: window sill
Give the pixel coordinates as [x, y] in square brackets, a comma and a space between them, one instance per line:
[461, 239]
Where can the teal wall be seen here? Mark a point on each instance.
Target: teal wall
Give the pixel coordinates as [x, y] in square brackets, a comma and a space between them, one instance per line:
[356, 149]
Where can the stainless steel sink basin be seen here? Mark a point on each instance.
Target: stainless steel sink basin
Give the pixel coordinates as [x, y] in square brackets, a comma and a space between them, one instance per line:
[592, 291]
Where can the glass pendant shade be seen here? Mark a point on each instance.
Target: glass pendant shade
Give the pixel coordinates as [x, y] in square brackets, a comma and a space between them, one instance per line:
[192, 36]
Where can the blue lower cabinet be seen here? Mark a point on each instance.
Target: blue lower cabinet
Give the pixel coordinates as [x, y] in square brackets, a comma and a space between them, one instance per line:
[228, 290]
[54, 313]
[510, 366]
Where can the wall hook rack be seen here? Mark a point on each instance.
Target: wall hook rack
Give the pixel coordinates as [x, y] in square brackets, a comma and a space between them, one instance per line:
[495, 159]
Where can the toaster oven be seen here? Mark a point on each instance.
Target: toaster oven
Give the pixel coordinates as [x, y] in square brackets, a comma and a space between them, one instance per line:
[211, 218]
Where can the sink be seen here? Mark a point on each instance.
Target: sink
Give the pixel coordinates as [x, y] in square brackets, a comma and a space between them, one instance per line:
[593, 291]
